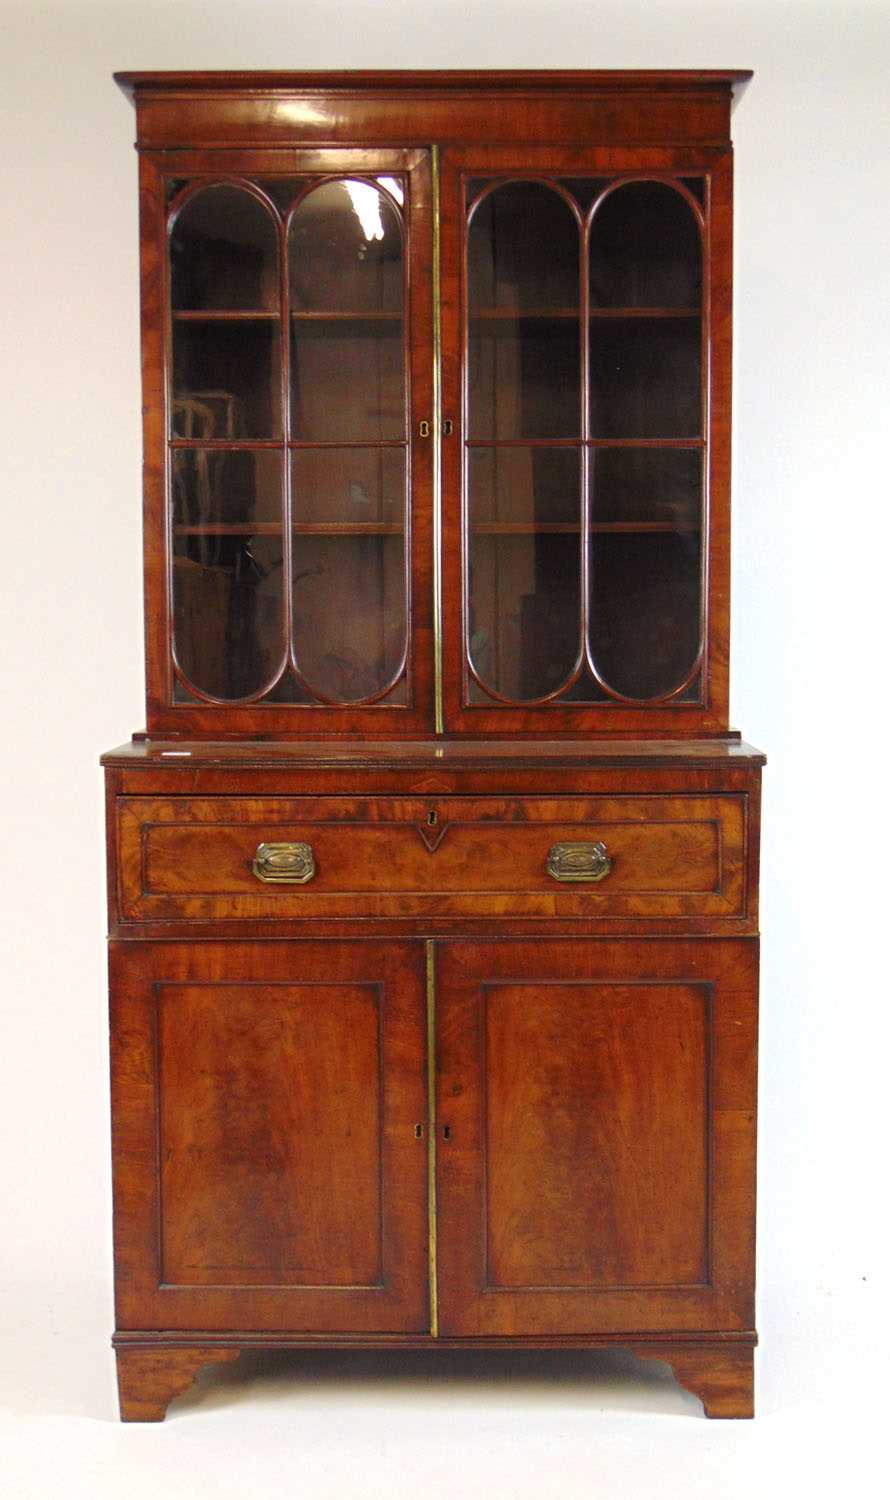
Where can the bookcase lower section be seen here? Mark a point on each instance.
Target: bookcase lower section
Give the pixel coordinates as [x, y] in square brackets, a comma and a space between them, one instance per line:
[366, 1131]
[153, 1369]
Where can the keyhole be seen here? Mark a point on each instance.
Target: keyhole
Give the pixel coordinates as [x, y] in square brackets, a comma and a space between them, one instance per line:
[418, 1131]
[446, 1132]
[432, 818]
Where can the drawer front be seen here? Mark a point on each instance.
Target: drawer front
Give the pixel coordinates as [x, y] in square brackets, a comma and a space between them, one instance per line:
[220, 858]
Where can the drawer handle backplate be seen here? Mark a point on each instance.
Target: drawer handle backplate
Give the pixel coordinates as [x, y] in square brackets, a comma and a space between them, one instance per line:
[570, 862]
[284, 864]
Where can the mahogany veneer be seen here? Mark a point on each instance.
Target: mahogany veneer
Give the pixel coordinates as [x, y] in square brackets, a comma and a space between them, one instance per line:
[426, 1091]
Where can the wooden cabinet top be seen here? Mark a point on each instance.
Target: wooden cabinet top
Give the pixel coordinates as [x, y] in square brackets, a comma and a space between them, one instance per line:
[646, 105]
[443, 755]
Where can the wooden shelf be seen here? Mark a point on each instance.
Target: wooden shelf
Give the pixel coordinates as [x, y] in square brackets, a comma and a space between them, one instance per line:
[578, 443]
[553, 314]
[216, 315]
[300, 528]
[332, 316]
[348, 528]
[221, 528]
[645, 312]
[522, 315]
[572, 528]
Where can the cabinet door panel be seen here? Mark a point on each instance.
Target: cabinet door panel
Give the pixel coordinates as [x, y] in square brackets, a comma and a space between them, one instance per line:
[596, 1152]
[264, 1177]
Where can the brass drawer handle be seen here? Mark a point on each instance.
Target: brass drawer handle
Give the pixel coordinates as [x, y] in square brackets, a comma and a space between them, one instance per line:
[579, 861]
[284, 864]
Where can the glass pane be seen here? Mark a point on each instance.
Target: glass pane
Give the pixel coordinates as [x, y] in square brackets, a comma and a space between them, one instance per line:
[645, 606]
[347, 380]
[522, 250]
[223, 488]
[226, 379]
[645, 377]
[523, 357]
[346, 487]
[523, 486]
[345, 250]
[346, 281]
[524, 593]
[655, 486]
[645, 249]
[227, 610]
[224, 253]
[349, 612]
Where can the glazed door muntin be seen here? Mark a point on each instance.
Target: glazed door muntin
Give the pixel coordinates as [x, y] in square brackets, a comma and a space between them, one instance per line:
[389, 475]
[243, 1200]
[575, 1193]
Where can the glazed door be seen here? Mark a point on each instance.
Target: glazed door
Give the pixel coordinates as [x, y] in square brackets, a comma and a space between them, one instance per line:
[270, 1151]
[595, 1136]
[288, 420]
[585, 337]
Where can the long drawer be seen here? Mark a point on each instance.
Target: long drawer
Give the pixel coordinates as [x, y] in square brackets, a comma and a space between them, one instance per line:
[248, 858]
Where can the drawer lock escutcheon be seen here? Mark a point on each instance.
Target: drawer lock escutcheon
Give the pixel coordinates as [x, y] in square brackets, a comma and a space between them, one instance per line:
[577, 862]
[284, 864]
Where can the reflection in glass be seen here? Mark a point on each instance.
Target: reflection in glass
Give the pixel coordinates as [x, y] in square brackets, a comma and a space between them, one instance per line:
[345, 251]
[224, 253]
[645, 249]
[349, 486]
[523, 284]
[524, 608]
[226, 379]
[227, 611]
[349, 613]
[645, 377]
[213, 487]
[645, 606]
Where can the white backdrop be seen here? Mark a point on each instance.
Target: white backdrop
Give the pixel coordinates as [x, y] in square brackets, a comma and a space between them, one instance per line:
[812, 137]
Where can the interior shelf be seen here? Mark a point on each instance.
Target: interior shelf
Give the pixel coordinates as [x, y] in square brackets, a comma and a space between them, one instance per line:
[323, 315]
[572, 528]
[548, 314]
[300, 528]
[219, 315]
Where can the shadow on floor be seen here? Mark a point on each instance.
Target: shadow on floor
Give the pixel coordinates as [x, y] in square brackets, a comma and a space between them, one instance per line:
[598, 1379]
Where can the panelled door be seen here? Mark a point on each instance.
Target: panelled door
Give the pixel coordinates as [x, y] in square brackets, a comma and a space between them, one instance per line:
[595, 1136]
[270, 1150]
